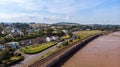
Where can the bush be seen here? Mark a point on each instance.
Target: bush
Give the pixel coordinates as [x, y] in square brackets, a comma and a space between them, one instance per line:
[65, 43]
[78, 37]
[17, 54]
[70, 40]
[62, 40]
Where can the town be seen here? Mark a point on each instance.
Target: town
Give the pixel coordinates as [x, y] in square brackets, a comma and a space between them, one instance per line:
[19, 41]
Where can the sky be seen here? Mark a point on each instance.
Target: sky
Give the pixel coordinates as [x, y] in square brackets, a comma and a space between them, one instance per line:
[53, 11]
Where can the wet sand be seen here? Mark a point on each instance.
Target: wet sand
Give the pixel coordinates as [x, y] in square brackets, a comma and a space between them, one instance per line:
[101, 52]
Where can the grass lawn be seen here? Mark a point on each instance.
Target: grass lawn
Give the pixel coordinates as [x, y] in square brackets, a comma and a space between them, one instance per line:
[84, 34]
[65, 37]
[13, 59]
[37, 48]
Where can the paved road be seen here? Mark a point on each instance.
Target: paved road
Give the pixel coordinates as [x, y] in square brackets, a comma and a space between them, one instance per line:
[101, 52]
[29, 58]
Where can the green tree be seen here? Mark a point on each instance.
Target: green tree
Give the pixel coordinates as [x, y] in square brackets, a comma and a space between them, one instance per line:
[40, 32]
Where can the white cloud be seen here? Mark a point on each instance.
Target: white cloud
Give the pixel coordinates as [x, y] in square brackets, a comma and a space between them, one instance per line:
[22, 17]
[11, 1]
[25, 4]
[52, 10]
[55, 6]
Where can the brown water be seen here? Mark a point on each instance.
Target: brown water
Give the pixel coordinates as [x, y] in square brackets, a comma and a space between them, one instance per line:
[101, 52]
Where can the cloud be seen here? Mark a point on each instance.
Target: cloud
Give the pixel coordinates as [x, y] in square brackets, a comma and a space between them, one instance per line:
[58, 10]
[22, 17]
[25, 4]
[54, 6]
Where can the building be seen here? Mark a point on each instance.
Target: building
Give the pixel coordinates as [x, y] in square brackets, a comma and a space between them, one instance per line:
[13, 44]
[36, 40]
[12, 32]
[6, 30]
[26, 42]
[53, 38]
[74, 36]
[48, 39]
[15, 33]
[2, 46]
[39, 25]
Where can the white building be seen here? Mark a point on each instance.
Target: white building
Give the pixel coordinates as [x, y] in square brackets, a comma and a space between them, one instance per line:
[2, 46]
[13, 44]
[48, 39]
[17, 31]
[53, 38]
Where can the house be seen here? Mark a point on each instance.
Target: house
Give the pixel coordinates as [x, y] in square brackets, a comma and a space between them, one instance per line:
[30, 31]
[2, 46]
[33, 41]
[74, 36]
[65, 31]
[15, 32]
[38, 40]
[13, 44]
[48, 39]
[26, 42]
[9, 35]
[53, 38]
[38, 25]
[6, 30]
[12, 32]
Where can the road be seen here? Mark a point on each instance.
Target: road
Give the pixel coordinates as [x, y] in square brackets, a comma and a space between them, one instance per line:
[30, 58]
[101, 52]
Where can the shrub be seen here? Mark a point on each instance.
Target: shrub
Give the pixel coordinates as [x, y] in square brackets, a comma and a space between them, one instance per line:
[78, 37]
[70, 40]
[65, 43]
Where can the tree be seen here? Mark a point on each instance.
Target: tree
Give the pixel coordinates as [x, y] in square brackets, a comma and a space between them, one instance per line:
[49, 31]
[5, 54]
[40, 32]
[70, 34]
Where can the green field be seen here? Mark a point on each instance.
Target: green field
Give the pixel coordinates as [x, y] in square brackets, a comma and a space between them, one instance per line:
[65, 37]
[12, 60]
[37, 48]
[84, 34]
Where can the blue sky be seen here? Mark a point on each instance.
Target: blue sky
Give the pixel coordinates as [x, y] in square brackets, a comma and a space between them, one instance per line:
[52, 11]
